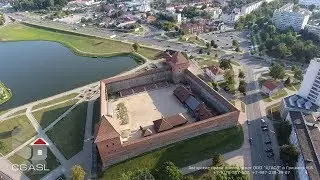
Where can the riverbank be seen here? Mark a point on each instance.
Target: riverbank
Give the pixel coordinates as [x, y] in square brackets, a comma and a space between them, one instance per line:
[5, 93]
[80, 44]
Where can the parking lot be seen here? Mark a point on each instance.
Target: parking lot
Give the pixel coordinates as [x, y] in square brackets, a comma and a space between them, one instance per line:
[224, 40]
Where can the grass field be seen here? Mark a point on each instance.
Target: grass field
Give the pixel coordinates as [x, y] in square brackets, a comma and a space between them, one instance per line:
[81, 44]
[14, 132]
[68, 133]
[20, 158]
[54, 101]
[183, 153]
[47, 115]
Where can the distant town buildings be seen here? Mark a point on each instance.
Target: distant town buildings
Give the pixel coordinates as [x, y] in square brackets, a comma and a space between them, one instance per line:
[232, 17]
[309, 2]
[285, 17]
[247, 9]
[214, 12]
[310, 87]
[191, 28]
[145, 6]
[175, 16]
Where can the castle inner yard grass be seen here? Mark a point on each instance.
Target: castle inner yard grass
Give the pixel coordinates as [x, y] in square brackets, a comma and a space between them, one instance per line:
[183, 153]
[84, 45]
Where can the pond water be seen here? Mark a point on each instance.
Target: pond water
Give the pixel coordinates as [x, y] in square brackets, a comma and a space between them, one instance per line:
[35, 70]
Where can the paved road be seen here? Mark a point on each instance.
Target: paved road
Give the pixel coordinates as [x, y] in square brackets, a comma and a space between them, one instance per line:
[255, 112]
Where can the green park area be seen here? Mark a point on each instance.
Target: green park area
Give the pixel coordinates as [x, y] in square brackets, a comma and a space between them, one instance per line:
[55, 101]
[23, 156]
[183, 153]
[81, 44]
[5, 93]
[46, 116]
[68, 133]
[193, 39]
[14, 132]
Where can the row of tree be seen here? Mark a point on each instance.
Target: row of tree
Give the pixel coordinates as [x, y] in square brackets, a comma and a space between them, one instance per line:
[24, 5]
[277, 71]
[2, 20]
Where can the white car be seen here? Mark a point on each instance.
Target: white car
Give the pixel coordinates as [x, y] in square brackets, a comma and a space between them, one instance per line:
[263, 121]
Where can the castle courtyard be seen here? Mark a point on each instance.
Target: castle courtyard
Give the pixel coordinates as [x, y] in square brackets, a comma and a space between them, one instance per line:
[145, 107]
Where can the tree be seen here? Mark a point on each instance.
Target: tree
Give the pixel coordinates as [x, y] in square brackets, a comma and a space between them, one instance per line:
[277, 71]
[140, 174]
[237, 49]
[312, 7]
[241, 74]
[229, 77]
[217, 160]
[208, 45]
[289, 154]
[287, 82]
[235, 43]
[212, 43]
[208, 53]
[167, 171]
[282, 50]
[226, 64]
[294, 68]
[213, 85]
[77, 172]
[242, 86]
[201, 51]
[216, 55]
[298, 75]
[136, 47]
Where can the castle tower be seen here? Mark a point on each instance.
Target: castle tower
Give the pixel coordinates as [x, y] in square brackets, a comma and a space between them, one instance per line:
[178, 63]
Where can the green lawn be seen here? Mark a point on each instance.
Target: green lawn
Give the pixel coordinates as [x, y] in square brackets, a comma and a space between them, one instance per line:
[24, 154]
[183, 153]
[90, 45]
[193, 40]
[6, 94]
[47, 115]
[280, 94]
[68, 133]
[207, 62]
[14, 132]
[54, 101]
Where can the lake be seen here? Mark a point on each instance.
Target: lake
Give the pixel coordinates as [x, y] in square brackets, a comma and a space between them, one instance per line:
[35, 70]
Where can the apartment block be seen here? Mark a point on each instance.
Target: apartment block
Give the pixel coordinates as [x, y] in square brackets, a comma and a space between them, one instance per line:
[285, 17]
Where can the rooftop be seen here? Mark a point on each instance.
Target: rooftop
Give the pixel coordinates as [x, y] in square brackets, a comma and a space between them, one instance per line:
[309, 143]
[215, 70]
[294, 102]
[270, 85]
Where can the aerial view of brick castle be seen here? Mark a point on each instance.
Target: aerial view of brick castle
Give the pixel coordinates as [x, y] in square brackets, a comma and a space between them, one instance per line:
[147, 110]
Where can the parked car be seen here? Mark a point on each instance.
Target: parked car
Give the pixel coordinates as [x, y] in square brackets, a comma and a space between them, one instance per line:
[269, 150]
[250, 140]
[268, 142]
[263, 121]
[248, 122]
[270, 155]
[264, 129]
[264, 126]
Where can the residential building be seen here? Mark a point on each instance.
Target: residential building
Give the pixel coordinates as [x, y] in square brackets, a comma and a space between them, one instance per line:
[248, 8]
[215, 73]
[170, 9]
[285, 17]
[151, 19]
[145, 6]
[232, 17]
[215, 12]
[191, 28]
[270, 87]
[309, 2]
[310, 87]
[175, 16]
[313, 29]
